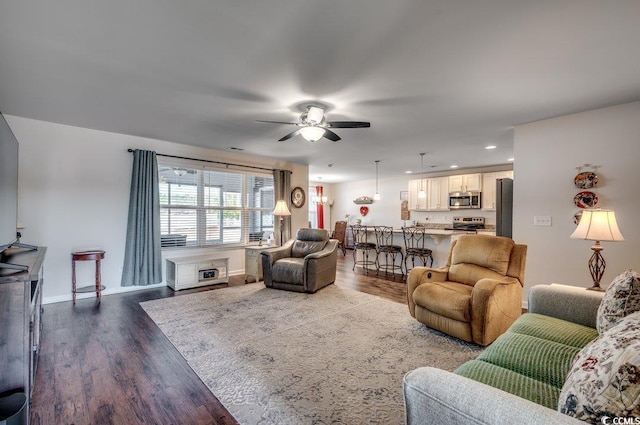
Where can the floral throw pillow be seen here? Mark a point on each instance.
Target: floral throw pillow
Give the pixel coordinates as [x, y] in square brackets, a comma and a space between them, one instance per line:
[604, 380]
[621, 299]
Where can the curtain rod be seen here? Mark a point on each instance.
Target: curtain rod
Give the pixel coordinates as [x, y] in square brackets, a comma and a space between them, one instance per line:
[213, 162]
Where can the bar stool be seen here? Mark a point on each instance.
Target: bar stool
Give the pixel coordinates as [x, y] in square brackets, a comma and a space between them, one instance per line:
[384, 239]
[414, 243]
[361, 243]
[96, 256]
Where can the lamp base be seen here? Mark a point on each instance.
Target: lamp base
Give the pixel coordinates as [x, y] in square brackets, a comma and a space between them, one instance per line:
[596, 267]
[596, 288]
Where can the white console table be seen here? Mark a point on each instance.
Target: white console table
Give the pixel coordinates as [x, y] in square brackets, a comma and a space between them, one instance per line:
[192, 272]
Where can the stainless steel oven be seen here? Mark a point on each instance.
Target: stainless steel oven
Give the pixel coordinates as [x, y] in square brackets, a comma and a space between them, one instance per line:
[464, 200]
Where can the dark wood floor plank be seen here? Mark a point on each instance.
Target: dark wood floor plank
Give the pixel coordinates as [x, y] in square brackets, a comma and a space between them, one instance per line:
[109, 363]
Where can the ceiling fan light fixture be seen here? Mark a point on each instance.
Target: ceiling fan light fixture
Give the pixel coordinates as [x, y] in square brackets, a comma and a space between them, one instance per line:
[315, 115]
[312, 133]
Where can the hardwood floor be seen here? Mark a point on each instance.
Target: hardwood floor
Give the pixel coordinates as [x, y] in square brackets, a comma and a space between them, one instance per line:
[109, 363]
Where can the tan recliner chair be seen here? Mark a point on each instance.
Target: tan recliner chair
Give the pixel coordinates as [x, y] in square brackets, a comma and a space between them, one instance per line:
[477, 295]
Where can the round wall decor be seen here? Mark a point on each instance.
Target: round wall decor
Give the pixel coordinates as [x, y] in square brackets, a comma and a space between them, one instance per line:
[585, 199]
[298, 197]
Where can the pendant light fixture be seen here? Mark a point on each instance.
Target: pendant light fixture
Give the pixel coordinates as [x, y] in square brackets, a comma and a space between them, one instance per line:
[422, 193]
[376, 197]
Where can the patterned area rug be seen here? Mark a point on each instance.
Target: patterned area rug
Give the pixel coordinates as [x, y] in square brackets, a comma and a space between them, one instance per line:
[276, 357]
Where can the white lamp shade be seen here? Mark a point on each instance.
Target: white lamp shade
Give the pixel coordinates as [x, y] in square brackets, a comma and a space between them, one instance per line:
[281, 208]
[598, 225]
[312, 133]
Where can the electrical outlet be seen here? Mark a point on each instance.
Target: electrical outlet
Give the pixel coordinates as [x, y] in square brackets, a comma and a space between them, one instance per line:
[542, 220]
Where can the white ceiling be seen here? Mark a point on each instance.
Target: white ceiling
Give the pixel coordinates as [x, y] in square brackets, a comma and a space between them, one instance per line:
[445, 77]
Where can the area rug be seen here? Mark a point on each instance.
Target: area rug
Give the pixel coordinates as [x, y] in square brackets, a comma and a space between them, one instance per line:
[276, 357]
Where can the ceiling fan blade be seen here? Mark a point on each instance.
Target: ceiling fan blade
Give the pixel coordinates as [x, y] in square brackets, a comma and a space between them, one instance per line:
[289, 136]
[279, 122]
[348, 124]
[331, 135]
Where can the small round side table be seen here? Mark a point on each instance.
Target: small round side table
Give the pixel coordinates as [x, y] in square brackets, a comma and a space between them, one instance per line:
[96, 256]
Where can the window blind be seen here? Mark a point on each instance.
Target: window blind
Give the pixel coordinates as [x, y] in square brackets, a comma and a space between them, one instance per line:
[201, 205]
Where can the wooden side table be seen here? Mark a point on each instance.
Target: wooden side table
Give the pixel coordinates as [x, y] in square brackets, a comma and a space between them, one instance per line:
[96, 256]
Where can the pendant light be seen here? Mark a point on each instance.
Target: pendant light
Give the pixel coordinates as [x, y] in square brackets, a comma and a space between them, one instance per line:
[376, 197]
[422, 193]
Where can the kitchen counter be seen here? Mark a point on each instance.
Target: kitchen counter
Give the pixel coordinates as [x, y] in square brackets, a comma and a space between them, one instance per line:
[438, 234]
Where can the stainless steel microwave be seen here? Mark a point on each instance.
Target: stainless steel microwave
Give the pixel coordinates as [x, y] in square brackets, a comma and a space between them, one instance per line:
[464, 200]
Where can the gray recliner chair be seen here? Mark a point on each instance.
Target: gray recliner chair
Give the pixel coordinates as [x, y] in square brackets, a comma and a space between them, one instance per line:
[304, 264]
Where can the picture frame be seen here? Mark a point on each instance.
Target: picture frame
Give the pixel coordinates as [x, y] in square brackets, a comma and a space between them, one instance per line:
[404, 195]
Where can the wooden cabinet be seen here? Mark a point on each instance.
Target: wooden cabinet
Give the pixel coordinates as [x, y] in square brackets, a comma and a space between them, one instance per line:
[489, 188]
[20, 314]
[416, 203]
[192, 272]
[465, 183]
[438, 194]
[253, 262]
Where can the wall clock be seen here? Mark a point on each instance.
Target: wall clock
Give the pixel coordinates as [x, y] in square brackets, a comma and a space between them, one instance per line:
[297, 197]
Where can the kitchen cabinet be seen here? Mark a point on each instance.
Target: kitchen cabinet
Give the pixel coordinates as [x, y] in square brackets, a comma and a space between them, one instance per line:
[438, 194]
[489, 188]
[415, 202]
[465, 183]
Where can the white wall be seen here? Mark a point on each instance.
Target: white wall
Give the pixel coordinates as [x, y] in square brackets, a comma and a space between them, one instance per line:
[74, 195]
[547, 154]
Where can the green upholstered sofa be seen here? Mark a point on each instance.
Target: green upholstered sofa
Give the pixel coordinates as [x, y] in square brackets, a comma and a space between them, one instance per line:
[517, 379]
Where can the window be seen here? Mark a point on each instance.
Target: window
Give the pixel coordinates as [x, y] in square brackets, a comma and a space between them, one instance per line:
[206, 206]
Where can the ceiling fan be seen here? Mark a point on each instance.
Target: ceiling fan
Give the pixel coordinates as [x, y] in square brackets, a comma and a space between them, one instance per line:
[313, 125]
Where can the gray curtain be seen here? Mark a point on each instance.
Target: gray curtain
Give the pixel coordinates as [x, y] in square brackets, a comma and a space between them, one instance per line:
[143, 255]
[282, 190]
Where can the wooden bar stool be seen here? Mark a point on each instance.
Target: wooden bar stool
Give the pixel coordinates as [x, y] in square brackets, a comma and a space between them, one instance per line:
[96, 256]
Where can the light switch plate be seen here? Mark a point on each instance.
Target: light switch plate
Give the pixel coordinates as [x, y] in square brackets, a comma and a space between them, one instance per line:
[542, 220]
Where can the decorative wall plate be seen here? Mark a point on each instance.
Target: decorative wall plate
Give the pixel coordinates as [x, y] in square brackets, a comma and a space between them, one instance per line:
[585, 199]
[298, 197]
[586, 180]
[364, 210]
[576, 217]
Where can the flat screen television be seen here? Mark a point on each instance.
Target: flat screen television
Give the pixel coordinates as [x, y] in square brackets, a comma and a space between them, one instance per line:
[8, 185]
[8, 194]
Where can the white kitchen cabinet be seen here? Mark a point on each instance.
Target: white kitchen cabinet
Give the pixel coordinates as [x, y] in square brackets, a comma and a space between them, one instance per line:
[415, 202]
[465, 183]
[489, 188]
[438, 194]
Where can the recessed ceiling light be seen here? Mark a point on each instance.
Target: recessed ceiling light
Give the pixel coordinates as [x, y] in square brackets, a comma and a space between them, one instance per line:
[510, 159]
[490, 147]
[453, 166]
[408, 172]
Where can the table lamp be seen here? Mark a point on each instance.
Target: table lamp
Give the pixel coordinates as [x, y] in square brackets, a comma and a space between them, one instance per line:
[597, 225]
[281, 210]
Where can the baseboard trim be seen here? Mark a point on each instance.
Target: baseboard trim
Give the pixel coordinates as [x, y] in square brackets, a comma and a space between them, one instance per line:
[112, 291]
